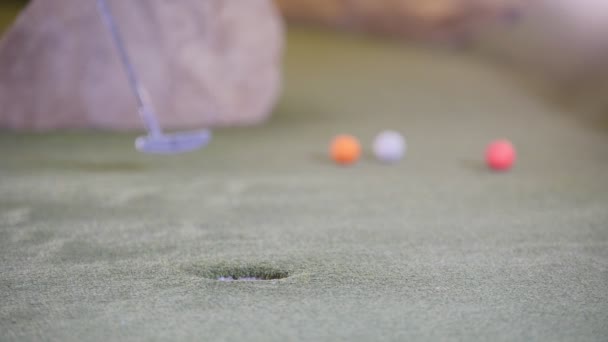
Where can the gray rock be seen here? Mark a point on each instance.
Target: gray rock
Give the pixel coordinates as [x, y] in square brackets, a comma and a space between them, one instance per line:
[205, 63]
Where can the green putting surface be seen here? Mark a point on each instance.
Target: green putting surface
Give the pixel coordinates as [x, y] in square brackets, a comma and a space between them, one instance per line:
[98, 242]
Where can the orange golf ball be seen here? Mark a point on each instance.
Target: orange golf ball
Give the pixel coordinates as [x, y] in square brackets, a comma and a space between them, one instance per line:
[345, 149]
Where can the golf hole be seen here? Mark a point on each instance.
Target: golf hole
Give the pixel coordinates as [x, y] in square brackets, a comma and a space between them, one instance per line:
[242, 273]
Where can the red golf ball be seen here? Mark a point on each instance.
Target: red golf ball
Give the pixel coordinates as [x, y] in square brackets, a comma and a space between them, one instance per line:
[500, 155]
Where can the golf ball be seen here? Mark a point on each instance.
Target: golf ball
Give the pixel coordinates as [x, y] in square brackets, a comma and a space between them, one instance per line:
[500, 155]
[389, 146]
[345, 149]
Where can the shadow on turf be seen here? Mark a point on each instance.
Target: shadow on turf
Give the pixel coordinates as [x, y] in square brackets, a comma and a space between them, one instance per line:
[474, 165]
[325, 159]
[321, 158]
[91, 166]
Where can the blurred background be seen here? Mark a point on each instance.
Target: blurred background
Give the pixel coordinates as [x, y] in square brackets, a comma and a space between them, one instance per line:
[8, 10]
[561, 38]
[562, 43]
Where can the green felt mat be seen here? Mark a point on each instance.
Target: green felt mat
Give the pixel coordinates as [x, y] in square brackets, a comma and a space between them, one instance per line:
[98, 242]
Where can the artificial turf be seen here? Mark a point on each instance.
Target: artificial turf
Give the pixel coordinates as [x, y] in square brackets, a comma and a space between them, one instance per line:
[98, 242]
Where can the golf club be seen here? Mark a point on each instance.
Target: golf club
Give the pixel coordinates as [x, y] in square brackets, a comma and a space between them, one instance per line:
[155, 142]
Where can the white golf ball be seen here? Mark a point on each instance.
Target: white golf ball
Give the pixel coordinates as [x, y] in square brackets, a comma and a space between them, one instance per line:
[389, 146]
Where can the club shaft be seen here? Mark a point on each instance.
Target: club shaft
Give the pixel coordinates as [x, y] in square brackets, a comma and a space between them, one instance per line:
[145, 109]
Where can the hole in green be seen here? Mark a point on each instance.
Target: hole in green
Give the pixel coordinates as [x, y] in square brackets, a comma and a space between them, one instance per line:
[230, 273]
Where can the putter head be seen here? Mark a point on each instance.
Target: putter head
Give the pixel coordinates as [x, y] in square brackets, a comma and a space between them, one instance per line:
[180, 142]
